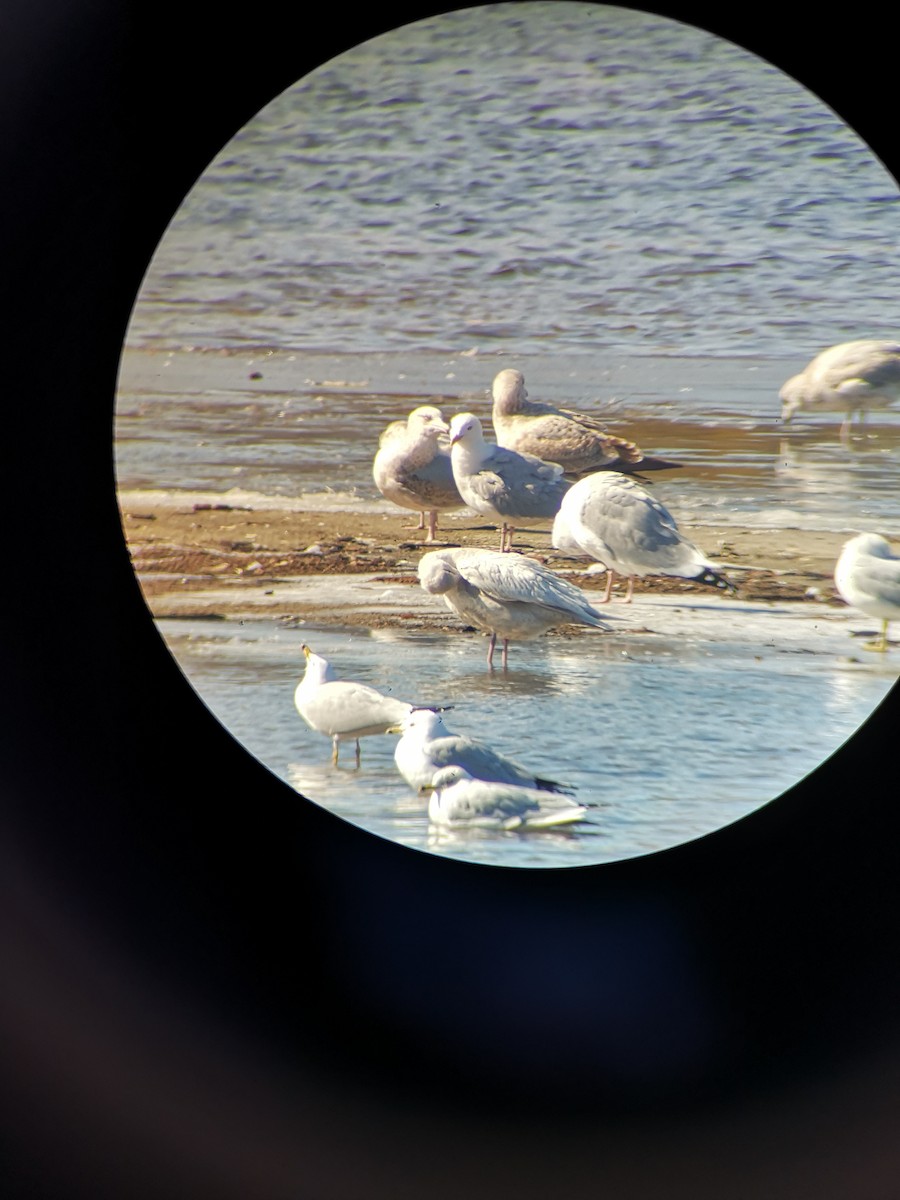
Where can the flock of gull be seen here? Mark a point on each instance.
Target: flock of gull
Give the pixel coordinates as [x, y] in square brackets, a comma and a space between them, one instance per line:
[551, 464]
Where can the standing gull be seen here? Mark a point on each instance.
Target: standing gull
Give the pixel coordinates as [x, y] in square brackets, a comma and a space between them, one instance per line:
[412, 468]
[850, 378]
[505, 594]
[867, 576]
[426, 745]
[342, 710]
[578, 442]
[513, 489]
[458, 799]
[611, 518]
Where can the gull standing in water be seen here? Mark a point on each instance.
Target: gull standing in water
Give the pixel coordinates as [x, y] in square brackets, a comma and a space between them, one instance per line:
[850, 378]
[867, 576]
[505, 594]
[426, 745]
[578, 442]
[611, 518]
[458, 799]
[510, 488]
[412, 468]
[342, 710]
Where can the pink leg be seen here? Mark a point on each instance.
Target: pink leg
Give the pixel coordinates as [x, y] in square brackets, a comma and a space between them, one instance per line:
[630, 591]
[491, 644]
[610, 576]
[432, 526]
[505, 653]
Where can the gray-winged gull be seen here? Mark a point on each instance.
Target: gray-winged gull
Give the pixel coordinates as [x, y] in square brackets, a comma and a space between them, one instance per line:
[511, 488]
[506, 594]
[851, 378]
[412, 468]
[611, 518]
[867, 575]
[426, 745]
[578, 442]
[340, 709]
[458, 799]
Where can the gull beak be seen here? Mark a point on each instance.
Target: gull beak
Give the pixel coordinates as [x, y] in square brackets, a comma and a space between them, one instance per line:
[306, 650]
[426, 789]
[394, 729]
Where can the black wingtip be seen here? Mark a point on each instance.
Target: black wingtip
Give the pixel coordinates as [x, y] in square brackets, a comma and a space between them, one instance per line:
[717, 580]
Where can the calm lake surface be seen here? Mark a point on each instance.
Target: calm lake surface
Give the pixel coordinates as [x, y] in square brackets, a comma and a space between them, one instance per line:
[649, 222]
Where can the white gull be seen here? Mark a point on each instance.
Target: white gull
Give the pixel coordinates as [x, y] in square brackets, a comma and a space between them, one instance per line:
[505, 594]
[611, 518]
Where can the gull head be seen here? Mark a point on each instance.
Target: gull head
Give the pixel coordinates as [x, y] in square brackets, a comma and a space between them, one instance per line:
[427, 420]
[508, 390]
[792, 396]
[466, 428]
[445, 778]
[437, 574]
[317, 667]
[424, 721]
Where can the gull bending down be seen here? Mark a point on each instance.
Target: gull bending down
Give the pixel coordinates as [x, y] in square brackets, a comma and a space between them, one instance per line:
[342, 710]
[412, 467]
[611, 518]
[867, 575]
[851, 378]
[510, 488]
[458, 799]
[578, 442]
[427, 745]
[505, 594]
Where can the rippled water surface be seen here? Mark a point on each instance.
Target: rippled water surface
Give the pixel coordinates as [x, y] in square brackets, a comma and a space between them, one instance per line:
[651, 223]
[667, 739]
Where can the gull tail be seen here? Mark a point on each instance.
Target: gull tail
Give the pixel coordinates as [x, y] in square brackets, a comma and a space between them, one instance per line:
[550, 785]
[717, 580]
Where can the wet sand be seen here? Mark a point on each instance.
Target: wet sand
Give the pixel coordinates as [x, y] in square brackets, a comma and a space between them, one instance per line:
[197, 555]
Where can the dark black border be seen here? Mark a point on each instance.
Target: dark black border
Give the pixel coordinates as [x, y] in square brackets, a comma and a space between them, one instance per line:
[210, 988]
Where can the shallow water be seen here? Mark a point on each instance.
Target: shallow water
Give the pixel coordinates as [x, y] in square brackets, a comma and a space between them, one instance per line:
[650, 223]
[669, 738]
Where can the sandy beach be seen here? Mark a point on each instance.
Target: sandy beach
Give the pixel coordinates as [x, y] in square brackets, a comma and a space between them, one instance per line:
[197, 555]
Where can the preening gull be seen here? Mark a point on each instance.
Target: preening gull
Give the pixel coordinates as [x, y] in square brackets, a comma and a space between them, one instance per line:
[412, 468]
[511, 488]
[342, 710]
[611, 518]
[578, 442]
[850, 378]
[458, 799]
[426, 745]
[867, 576]
[506, 594]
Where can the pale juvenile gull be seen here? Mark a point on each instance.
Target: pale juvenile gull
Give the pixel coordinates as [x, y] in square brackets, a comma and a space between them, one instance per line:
[505, 594]
[611, 518]
[458, 799]
[511, 488]
[578, 442]
[412, 467]
[867, 576]
[426, 745]
[851, 378]
[340, 709]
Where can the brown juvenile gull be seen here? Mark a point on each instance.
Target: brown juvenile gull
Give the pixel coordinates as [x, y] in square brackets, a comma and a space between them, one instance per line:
[426, 745]
[611, 518]
[505, 594]
[458, 799]
[342, 710]
[575, 440]
[851, 378]
[412, 468]
[867, 576]
[512, 488]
